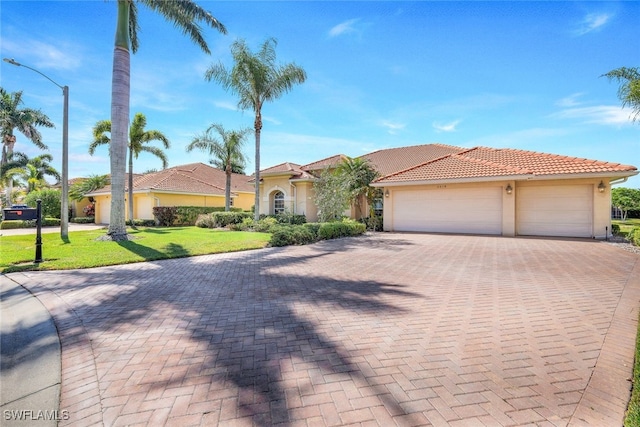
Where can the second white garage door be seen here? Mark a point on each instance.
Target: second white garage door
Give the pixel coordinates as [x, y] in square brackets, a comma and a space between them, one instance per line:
[458, 210]
[560, 210]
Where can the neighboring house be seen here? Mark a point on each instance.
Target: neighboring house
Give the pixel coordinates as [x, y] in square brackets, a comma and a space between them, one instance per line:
[440, 188]
[194, 184]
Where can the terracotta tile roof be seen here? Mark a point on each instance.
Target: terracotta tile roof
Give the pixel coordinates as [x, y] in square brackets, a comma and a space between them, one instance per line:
[321, 164]
[392, 160]
[294, 170]
[483, 162]
[192, 178]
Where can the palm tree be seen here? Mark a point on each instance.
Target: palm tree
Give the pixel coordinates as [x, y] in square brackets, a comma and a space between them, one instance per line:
[36, 169]
[226, 154]
[256, 79]
[137, 137]
[184, 14]
[25, 120]
[359, 174]
[32, 171]
[79, 189]
[629, 90]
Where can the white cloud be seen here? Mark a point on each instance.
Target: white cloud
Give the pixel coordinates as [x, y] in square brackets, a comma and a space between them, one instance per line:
[345, 27]
[446, 127]
[392, 128]
[226, 105]
[42, 55]
[592, 22]
[570, 101]
[598, 114]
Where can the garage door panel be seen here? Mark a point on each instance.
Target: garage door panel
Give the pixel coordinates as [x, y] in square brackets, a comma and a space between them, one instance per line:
[476, 211]
[565, 211]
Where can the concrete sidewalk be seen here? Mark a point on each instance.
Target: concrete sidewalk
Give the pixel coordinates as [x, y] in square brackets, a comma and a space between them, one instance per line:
[30, 366]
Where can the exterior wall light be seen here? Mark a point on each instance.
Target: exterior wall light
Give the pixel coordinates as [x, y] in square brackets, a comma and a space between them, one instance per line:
[509, 189]
[386, 193]
[601, 187]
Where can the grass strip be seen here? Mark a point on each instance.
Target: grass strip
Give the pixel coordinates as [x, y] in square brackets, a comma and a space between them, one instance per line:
[17, 253]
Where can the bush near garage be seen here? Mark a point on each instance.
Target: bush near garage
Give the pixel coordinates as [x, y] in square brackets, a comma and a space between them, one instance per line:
[634, 236]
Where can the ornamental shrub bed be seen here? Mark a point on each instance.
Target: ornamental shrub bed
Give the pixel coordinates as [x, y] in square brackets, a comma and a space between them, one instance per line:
[188, 215]
[221, 219]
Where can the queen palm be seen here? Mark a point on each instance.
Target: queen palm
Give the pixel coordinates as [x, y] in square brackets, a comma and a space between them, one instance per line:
[358, 174]
[629, 89]
[255, 79]
[226, 154]
[25, 120]
[138, 136]
[184, 14]
[32, 171]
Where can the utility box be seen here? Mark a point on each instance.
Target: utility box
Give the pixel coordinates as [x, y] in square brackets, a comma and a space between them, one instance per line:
[22, 213]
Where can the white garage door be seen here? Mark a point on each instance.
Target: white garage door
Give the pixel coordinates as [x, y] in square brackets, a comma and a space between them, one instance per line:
[563, 210]
[459, 210]
[105, 210]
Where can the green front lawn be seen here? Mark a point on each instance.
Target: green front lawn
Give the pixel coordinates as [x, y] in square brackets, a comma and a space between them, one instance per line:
[628, 225]
[17, 253]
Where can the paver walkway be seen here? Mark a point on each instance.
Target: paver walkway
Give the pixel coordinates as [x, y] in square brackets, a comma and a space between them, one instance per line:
[389, 329]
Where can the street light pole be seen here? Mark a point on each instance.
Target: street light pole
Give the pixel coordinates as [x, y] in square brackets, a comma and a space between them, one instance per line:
[64, 207]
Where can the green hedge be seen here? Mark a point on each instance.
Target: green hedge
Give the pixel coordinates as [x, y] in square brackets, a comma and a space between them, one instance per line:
[83, 220]
[284, 235]
[221, 219]
[634, 236]
[31, 223]
[188, 215]
[345, 228]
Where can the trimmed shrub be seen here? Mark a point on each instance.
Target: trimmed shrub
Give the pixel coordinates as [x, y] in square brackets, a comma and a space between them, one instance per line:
[48, 222]
[165, 215]
[221, 219]
[285, 235]
[204, 221]
[12, 224]
[615, 229]
[245, 225]
[345, 228]
[265, 225]
[313, 227]
[634, 236]
[83, 220]
[144, 222]
[189, 215]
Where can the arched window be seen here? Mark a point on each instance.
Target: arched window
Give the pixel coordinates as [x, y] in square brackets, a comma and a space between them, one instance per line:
[278, 202]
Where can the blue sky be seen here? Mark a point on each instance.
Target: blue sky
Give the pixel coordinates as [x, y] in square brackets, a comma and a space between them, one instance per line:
[522, 75]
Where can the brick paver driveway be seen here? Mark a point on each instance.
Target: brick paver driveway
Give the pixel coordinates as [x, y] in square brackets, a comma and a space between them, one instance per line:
[382, 330]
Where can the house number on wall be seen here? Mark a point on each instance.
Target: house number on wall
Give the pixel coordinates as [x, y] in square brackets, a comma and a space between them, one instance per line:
[441, 186]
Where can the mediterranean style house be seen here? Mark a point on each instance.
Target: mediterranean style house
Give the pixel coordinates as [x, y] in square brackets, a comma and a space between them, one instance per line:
[482, 190]
[194, 184]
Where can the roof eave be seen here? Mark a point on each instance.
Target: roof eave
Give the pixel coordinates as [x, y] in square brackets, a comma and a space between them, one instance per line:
[452, 180]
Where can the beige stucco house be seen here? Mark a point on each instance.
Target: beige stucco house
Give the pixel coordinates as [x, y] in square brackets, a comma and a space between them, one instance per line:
[442, 188]
[194, 184]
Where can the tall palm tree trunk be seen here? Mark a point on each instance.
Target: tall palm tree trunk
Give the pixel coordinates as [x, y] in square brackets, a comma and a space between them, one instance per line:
[227, 190]
[130, 185]
[119, 122]
[258, 127]
[7, 150]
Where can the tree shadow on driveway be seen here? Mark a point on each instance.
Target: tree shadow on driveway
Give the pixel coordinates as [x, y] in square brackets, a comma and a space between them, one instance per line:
[249, 335]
